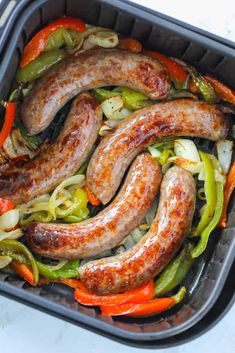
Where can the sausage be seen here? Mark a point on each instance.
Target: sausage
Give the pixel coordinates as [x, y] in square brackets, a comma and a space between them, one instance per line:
[183, 117]
[61, 160]
[142, 262]
[109, 227]
[90, 69]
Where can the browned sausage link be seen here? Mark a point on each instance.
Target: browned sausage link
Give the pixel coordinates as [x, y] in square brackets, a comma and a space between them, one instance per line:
[176, 118]
[93, 68]
[110, 226]
[137, 265]
[60, 160]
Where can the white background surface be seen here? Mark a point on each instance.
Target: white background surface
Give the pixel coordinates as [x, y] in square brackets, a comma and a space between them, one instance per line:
[23, 329]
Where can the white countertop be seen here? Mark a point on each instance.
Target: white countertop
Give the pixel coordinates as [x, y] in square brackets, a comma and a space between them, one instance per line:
[23, 329]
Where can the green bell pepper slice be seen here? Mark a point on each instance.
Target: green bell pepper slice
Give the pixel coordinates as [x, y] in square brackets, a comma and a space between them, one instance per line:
[205, 87]
[101, 94]
[61, 37]
[40, 66]
[69, 270]
[175, 271]
[13, 246]
[210, 192]
[201, 246]
[133, 100]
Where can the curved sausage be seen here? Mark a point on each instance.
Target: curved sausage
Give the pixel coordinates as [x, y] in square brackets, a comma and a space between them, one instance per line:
[110, 226]
[61, 160]
[139, 264]
[183, 117]
[91, 69]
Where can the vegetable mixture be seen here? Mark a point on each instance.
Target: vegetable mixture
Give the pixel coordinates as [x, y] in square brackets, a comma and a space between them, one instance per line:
[73, 201]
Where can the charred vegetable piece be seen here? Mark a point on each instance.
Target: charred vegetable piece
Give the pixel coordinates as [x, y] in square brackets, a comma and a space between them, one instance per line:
[23, 271]
[130, 44]
[204, 86]
[224, 92]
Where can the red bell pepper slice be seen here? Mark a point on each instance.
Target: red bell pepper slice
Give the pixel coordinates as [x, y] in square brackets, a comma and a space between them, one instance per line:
[130, 44]
[176, 71]
[228, 190]
[8, 121]
[23, 271]
[138, 295]
[6, 205]
[149, 307]
[38, 43]
[91, 197]
[224, 92]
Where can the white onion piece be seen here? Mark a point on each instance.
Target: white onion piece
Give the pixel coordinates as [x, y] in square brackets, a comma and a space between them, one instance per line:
[111, 105]
[104, 39]
[104, 130]
[53, 201]
[87, 44]
[121, 114]
[112, 123]
[155, 153]
[9, 219]
[186, 149]
[225, 151]
[4, 261]
[189, 165]
[13, 234]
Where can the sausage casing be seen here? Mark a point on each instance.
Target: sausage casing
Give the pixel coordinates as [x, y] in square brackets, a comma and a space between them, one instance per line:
[91, 69]
[61, 159]
[110, 226]
[183, 117]
[139, 264]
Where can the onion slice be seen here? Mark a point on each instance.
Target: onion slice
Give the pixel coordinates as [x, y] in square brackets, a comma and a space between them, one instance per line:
[225, 151]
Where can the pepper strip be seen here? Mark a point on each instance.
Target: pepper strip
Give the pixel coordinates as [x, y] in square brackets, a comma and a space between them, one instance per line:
[6, 205]
[67, 271]
[228, 190]
[174, 272]
[176, 71]
[210, 193]
[11, 245]
[150, 307]
[130, 44]
[137, 295]
[91, 197]
[8, 121]
[38, 43]
[70, 282]
[23, 271]
[224, 92]
[201, 246]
